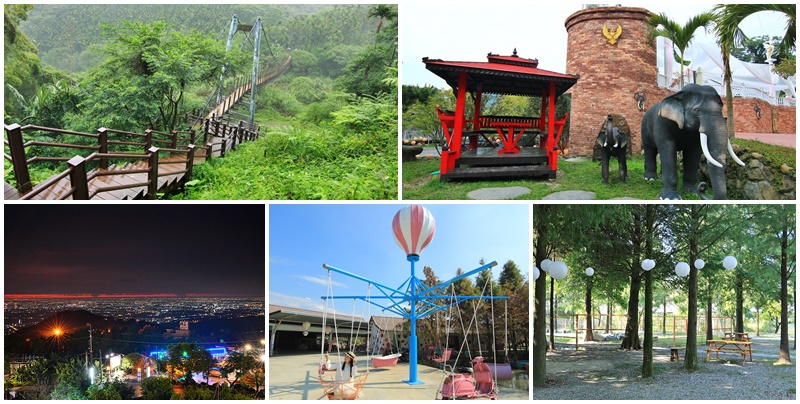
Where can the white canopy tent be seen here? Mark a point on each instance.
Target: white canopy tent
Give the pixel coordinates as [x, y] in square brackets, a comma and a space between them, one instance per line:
[754, 80]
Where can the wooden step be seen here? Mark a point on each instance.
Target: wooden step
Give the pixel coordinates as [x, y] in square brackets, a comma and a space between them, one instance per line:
[529, 171]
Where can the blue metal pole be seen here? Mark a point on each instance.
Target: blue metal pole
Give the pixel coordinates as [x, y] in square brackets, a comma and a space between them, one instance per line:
[412, 343]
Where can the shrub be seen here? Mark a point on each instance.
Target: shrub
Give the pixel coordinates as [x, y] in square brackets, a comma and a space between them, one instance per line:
[157, 388]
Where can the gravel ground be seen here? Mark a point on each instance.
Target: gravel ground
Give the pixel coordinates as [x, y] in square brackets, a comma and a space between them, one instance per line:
[604, 372]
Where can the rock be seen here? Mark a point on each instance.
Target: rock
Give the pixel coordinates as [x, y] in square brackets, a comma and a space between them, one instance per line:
[761, 190]
[410, 152]
[786, 169]
[498, 193]
[757, 155]
[570, 196]
[787, 184]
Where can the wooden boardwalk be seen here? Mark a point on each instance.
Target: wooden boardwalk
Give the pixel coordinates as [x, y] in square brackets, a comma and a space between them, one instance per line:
[130, 177]
[117, 182]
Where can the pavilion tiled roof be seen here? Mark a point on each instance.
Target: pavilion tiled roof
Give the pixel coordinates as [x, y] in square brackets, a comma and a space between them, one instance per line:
[502, 75]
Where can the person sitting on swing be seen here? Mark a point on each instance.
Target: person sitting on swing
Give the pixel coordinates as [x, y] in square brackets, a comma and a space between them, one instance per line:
[346, 375]
[349, 370]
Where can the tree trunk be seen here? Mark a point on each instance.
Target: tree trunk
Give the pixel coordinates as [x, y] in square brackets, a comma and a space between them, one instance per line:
[738, 286]
[631, 340]
[647, 355]
[664, 318]
[552, 315]
[539, 374]
[709, 314]
[784, 346]
[758, 321]
[690, 359]
[609, 318]
[588, 301]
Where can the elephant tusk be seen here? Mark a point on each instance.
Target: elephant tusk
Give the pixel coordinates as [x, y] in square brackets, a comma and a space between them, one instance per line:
[735, 157]
[704, 146]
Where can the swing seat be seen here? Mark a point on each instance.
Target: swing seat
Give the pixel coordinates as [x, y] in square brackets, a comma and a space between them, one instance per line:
[484, 383]
[445, 356]
[458, 385]
[385, 361]
[344, 390]
[461, 386]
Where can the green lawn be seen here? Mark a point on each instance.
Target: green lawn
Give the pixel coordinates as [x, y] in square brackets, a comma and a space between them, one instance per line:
[582, 175]
[573, 175]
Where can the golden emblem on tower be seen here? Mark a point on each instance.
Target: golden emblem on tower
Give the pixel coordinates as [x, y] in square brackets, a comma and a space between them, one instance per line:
[613, 34]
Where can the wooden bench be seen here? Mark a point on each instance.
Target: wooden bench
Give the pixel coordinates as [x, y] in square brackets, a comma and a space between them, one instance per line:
[674, 353]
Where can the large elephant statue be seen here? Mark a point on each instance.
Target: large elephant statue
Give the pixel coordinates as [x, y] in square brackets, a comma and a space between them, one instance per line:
[613, 143]
[690, 121]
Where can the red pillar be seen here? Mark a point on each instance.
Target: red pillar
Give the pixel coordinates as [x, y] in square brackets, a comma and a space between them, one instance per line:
[552, 155]
[454, 148]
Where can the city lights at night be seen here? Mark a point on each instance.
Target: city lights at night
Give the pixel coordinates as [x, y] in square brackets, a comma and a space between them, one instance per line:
[145, 305]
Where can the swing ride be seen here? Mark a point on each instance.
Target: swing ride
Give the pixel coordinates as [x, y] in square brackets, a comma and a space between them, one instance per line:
[413, 227]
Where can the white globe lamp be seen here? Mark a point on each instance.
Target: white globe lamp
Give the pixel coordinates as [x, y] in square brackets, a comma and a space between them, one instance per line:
[648, 264]
[729, 262]
[545, 265]
[682, 269]
[558, 270]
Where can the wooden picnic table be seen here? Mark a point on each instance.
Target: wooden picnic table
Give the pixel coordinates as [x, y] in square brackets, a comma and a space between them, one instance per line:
[730, 346]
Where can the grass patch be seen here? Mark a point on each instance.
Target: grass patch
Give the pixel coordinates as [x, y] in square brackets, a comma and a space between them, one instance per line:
[572, 175]
[311, 163]
[775, 155]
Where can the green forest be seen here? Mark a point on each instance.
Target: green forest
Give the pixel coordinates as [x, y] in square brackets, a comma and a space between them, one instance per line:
[328, 123]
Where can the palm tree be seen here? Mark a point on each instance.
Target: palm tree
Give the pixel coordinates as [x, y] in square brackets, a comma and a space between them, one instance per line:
[382, 11]
[681, 36]
[728, 17]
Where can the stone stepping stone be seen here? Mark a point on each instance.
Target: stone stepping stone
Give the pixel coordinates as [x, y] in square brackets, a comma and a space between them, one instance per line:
[498, 193]
[624, 198]
[570, 196]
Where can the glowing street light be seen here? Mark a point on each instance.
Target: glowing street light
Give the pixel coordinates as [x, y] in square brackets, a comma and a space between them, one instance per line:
[248, 347]
[57, 332]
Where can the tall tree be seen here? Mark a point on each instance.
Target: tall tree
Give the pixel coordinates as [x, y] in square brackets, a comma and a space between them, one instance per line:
[382, 12]
[681, 36]
[150, 68]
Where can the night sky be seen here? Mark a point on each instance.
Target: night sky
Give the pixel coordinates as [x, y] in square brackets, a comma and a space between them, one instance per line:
[175, 249]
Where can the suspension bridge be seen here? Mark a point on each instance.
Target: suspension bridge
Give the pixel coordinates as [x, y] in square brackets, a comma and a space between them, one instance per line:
[114, 164]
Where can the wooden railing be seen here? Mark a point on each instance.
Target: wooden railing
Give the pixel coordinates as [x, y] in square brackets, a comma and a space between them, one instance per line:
[109, 145]
[486, 120]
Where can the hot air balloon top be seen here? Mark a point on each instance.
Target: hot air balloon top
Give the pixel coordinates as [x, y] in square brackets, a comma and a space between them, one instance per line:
[413, 228]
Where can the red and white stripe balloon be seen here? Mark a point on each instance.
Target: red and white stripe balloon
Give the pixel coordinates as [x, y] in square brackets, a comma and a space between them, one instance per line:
[413, 228]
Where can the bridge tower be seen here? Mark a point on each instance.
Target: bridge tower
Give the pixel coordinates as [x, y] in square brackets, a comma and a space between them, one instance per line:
[254, 32]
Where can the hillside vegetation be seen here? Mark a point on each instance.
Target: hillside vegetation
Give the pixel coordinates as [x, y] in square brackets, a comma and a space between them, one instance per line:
[137, 67]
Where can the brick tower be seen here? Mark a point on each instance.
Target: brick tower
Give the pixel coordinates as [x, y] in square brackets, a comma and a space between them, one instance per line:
[608, 48]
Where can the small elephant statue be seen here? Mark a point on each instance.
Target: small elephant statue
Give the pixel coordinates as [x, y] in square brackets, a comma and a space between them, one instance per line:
[613, 143]
[690, 121]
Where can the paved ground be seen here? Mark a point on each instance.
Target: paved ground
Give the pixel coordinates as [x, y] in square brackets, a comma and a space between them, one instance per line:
[294, 377]
[780, 139]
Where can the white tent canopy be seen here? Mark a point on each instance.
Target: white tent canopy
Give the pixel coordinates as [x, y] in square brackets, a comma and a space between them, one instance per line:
[749, 79]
